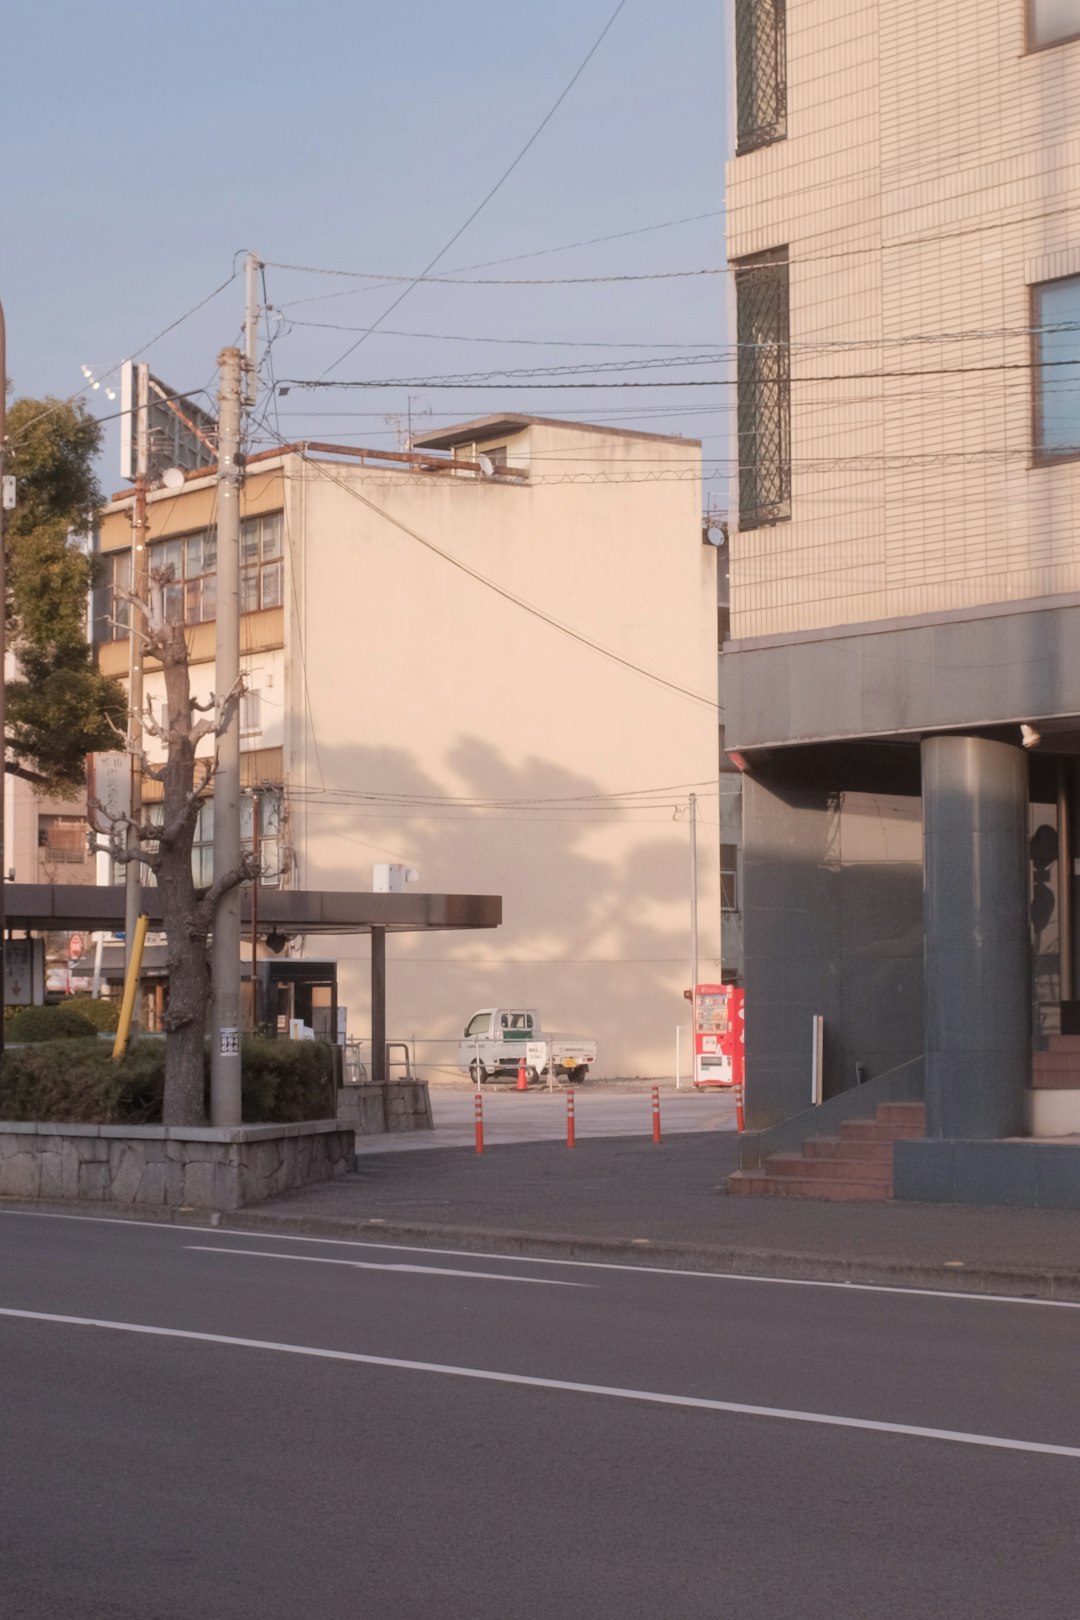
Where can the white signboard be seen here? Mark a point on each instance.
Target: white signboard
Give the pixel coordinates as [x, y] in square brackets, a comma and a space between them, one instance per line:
[110, 785]
[24, 972]
[536, 1055]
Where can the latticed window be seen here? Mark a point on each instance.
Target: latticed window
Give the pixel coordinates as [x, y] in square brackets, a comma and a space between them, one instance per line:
[760, 72]
[764, 389]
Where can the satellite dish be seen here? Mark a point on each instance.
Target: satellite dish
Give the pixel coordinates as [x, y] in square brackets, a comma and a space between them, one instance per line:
[487, 466]
[173, 478]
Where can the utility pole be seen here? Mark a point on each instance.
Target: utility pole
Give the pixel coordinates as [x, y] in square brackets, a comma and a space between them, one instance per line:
[693, 930]
[3, 675]
[225, 1095]
[252, 266]
[137, 626]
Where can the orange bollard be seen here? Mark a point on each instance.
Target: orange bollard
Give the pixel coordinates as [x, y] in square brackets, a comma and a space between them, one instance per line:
[523, 1076]
[656, 1114]
[570, 1134]
[740, 1115]
[478, 1109]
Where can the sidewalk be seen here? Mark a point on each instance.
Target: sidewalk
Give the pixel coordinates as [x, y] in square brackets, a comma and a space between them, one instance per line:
[630, 1200]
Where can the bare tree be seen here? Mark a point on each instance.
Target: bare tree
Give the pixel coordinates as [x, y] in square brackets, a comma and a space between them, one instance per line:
[165, 849]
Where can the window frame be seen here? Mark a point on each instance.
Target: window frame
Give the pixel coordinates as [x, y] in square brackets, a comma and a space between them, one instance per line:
[1033, 46]
[729, 896]
[1041, 457]
[765, 515]
[755, 137]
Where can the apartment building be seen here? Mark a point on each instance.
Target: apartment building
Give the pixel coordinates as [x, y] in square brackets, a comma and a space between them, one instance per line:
[492, 660]
[903, 682]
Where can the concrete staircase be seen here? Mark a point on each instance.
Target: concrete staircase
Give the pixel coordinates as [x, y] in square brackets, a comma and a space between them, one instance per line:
[855, 1164]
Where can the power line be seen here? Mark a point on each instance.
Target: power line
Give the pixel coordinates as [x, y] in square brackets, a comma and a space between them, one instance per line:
[507, 172]
[687, 382]
[516, 258]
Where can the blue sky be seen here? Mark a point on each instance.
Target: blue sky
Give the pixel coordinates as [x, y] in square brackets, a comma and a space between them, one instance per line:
[144, 144]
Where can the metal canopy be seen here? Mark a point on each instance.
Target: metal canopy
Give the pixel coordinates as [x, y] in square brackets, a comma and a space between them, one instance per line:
[51, 908]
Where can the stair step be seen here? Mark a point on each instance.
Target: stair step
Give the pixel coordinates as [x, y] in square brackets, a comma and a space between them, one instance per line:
[794, 1164]
[901, 1113]
[1053, 1062]
[873, 1130]
[1055, 1080]
[839, 1147]
[758, 1184]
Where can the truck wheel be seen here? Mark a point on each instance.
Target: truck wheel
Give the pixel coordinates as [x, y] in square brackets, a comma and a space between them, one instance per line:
[576, 1076]
[476, 1073]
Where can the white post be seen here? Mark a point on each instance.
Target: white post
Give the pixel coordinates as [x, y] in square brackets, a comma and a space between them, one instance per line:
[694, 968]
[817, 1070]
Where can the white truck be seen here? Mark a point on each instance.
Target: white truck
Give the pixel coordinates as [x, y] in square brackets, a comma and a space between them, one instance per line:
[497, 1038]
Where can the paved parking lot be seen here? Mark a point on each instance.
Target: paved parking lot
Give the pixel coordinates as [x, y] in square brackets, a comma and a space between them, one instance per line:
[535, 1116]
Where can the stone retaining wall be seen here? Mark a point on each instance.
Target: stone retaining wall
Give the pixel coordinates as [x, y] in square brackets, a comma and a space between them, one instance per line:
[209, 1168]
[374, 1110]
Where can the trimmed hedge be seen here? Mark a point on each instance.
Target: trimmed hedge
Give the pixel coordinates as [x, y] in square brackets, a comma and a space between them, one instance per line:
[103, 1014]
[78, 1083]
[49, 1024]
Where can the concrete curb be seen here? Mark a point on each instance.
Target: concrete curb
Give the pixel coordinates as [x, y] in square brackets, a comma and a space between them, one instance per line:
[1003, 1282]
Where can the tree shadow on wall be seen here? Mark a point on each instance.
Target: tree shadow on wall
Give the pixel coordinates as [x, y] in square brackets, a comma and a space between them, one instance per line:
[595, 892]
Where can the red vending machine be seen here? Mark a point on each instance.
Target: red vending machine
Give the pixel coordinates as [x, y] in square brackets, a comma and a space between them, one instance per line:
[719, 1036]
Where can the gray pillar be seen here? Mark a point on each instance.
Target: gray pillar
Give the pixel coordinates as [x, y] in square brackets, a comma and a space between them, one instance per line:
[378, 1005]
[978, 950]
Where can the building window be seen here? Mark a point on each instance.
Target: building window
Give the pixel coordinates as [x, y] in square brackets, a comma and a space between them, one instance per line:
[729, 881]
[764, 389]
[1051, 22]
[185, 568]
[266, 802]
[760, 73]
[250, 713]
[260, 563]
[62, 840]
[1056, 339]
[186, 571]
[112, 610]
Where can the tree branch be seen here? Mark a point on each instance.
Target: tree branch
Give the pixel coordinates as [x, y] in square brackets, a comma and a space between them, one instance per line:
[246, 872]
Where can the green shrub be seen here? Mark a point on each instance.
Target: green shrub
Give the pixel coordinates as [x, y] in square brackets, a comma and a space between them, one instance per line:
[284, 1082]
[78, 1082]
[104, 1015]
[49, 1024]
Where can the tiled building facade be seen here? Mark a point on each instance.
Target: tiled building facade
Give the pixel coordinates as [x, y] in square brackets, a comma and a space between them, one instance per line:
[904, 228]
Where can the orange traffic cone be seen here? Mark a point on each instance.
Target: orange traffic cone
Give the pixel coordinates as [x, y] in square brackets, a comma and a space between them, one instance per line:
[523, 1076]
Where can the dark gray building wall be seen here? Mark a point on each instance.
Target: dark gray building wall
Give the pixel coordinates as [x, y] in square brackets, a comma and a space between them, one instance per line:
[982, 668]
[832, 913]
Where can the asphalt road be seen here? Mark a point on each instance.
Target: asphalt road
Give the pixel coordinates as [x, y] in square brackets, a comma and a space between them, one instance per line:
[200, 1422]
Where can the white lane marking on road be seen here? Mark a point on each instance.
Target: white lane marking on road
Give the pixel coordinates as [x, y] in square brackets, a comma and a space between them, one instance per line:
[181, 1228]
[380, 1265]
[523, 1380]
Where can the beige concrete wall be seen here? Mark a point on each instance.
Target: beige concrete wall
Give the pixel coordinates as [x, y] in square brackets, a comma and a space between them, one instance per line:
[930, 177]
[418, 682]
